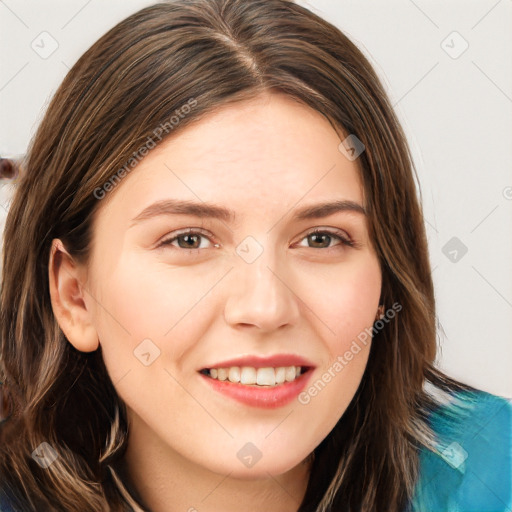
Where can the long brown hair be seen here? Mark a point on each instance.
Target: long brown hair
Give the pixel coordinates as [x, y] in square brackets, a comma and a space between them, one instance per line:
[136, 78]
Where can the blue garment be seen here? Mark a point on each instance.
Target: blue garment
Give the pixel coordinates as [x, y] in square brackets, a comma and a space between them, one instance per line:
[471, 470]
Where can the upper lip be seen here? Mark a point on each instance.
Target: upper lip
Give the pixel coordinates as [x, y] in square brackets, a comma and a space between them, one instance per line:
[275, 361]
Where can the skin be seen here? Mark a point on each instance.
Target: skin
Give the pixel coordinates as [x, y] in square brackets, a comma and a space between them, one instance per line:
[263, 158]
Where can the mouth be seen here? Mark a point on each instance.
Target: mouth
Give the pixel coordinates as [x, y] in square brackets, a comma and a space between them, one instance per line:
[266, 377]
[265, 382]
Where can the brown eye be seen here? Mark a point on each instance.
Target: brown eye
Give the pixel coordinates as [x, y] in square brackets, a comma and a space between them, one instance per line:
[188, 239]
[321, 239]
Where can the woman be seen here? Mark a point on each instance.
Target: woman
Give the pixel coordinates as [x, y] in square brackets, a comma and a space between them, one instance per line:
[216, 289]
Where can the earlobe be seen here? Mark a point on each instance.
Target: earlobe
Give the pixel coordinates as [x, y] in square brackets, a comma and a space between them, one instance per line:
[380, 312]
[66, 293]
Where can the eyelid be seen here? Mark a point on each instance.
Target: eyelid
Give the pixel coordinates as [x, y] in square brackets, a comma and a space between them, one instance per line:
[326, 229]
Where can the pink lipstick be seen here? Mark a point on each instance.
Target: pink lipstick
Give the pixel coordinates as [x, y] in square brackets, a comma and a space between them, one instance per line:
[257, 381]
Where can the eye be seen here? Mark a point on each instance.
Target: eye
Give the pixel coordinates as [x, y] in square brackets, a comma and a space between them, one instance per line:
[186, 239]
[190, 239]
[321, 236]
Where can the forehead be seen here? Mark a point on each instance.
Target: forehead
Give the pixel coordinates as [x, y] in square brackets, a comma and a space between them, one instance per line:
[268, 152]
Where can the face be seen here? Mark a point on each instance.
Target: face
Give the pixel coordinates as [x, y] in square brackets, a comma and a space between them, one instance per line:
[181, 301]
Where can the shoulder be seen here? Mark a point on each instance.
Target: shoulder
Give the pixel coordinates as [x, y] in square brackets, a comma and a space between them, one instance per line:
[5, 502]
[470, 468]
[7, 499]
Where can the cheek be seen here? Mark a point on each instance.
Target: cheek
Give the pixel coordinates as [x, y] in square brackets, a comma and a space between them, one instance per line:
[334, 384]
[345, 300]
[139, 302]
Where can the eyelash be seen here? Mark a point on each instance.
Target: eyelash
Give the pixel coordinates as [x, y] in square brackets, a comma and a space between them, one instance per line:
[317, 231]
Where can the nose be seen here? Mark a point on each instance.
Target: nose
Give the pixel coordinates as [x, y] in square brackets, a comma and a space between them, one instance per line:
[261, 295]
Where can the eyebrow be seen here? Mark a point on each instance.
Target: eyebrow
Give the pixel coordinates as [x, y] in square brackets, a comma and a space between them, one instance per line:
[209, 210]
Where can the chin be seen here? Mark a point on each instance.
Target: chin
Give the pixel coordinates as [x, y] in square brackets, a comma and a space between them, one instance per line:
[260, 470]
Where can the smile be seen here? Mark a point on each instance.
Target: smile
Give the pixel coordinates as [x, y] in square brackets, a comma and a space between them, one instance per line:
[256, 381]
[250, 376]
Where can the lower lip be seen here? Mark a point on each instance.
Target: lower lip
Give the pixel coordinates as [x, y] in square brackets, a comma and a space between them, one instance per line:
[264, 397]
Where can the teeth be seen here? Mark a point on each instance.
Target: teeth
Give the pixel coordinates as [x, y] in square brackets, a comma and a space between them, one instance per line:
[281, 375]
[234, 374]
[250, 376]
[266, 377]
[247, 376]
[290, 373]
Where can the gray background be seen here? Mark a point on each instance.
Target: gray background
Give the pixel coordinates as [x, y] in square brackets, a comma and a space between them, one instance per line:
[447, 68]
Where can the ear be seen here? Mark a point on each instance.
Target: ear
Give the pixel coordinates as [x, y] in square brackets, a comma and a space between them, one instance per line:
[66, 293]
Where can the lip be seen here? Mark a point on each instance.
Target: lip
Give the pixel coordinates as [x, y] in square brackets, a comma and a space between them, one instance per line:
[271, 397]
[274, 361]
